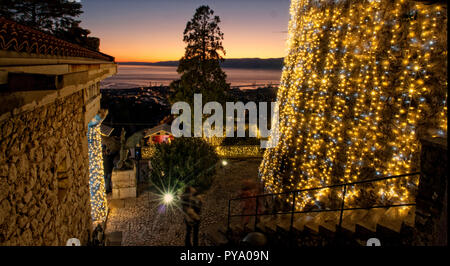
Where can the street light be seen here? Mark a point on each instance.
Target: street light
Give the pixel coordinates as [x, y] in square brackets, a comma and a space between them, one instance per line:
[224, 163]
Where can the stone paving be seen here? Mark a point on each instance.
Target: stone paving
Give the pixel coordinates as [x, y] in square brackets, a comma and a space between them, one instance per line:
[144, 223]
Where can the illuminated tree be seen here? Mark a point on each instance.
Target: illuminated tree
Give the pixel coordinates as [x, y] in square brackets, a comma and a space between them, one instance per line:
[362, 82]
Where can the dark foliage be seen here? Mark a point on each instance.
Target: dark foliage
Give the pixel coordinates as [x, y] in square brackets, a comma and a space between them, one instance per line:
[200, 66]
[57, 17]
[185, 161]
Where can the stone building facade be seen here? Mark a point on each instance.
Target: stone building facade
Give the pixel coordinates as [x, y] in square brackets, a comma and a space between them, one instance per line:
[47, 99]
[44, 175]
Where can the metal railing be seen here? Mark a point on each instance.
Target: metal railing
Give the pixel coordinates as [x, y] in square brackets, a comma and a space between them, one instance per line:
[294, 193]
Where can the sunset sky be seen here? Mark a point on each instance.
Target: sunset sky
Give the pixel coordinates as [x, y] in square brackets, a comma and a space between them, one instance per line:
[152, 30]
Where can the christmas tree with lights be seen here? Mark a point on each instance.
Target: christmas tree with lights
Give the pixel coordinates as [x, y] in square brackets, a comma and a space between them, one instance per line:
[363, 81]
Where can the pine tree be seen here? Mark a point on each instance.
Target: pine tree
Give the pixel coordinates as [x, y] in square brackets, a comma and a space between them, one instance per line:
[200, 66]
[57, 17]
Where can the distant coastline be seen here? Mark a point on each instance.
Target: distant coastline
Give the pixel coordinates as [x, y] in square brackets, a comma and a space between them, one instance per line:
[137, 74]
[243, 63]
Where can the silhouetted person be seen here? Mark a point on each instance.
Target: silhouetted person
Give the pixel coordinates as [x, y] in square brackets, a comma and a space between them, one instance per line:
[249, 189]
[191, 204]
[98, 236]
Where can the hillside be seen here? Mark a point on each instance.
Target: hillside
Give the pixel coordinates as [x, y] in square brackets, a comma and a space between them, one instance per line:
[251, 63]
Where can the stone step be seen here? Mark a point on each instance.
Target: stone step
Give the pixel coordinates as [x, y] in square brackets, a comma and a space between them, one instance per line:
[393, 218]
[114, 239]
[302, 219]
[369, 222]
[350, 218]
[249, 227]
[236, 228]
[222, 229]
[267, 225]
[284, 225]
[282, 231]
[217, 238]
[261, 227]
[410, 218]
[357, 224]
[219, 227]
[263, 222]
[235, 233]
[330, 221]
[322, 219]
[270, 223]
[271, 226]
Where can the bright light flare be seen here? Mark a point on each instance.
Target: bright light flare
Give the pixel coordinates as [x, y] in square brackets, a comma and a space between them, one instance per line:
[168, 198]
[224, 163]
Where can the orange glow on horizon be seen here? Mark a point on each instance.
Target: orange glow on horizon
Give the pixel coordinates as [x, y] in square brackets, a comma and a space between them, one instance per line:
[152, 31]
[173, 51]
[142, 44]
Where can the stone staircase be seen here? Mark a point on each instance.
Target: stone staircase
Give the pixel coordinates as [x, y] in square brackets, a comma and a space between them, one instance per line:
[392, 226]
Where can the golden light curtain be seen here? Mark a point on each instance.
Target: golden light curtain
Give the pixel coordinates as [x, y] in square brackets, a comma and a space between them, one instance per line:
[362, 82]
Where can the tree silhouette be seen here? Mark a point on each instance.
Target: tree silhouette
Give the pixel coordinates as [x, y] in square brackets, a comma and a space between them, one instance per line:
[57, 17]
[200, 66]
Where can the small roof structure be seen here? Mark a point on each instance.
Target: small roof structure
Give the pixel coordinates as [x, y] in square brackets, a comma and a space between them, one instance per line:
[106, 130]
[23, 39]
[160, 128]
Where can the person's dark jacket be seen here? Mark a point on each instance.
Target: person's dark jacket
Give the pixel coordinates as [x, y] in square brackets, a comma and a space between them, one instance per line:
[191, 207]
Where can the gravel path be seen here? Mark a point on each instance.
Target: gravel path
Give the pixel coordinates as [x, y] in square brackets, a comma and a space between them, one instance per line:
[144, 223]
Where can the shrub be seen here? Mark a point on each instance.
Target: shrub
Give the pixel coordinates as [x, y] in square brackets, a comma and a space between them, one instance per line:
[184, 161]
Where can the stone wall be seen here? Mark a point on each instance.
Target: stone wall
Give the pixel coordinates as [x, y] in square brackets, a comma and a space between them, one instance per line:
[123, 183]
[44, 179]
[431, 201]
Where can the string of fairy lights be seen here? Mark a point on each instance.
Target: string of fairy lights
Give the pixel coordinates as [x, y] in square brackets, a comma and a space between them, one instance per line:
[238, 151]
[362, 82]
[96, 173]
